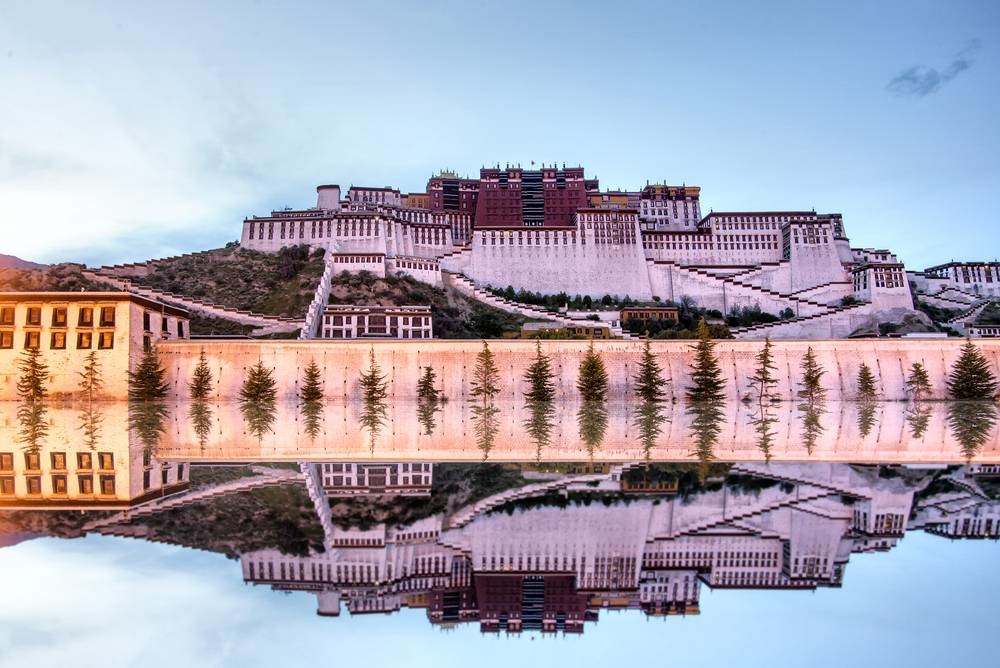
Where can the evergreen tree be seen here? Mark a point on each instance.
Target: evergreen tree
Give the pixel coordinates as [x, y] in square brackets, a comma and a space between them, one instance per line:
[200, 414]
[201, 381]
[258, 386]
[374, 387]
[147, 382]
[706, 376]
[538, 376]
[918, 385]
[867, 391]
[592, 419]
[649, 381]
[763, 424]
[972, 424]
[764, 379]
[33, 426]
[91, 380]
[426, 391]
[706, 426]
[811, 388]
[425, 415]
[485, 425]
[592, 383]
[919, 419]
[649, 421]
[34, 375]
[866, 417]
[485, 376]
[311, 391]
[147, 419]
[539, 425]
[812, 426]
[971, 378]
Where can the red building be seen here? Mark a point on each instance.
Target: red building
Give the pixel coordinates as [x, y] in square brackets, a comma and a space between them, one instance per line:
[448, 192]
[516, 197]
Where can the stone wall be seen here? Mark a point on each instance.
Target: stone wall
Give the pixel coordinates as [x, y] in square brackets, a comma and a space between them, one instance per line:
[454, 361]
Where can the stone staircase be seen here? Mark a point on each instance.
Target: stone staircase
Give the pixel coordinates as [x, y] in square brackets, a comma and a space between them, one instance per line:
[469, 513]
[314, 313]
[961, 322]
[263, 324]
[763, 329]
[465, 285]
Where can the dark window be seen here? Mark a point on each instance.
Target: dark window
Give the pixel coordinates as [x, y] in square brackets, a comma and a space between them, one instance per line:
[180, 472]
[7, 340]
[147, 344]
[58, 461]
[86, 318]
[59, 316]
[58, 341]
[145, 479]
[84, 460]
[106, 341]
[58, 484]
[107, 484]
[84, 340]
[164, 325]
[7, 315]
[34, 484]
[106, 460]
[180, 329]
[107, 316]
[32, 461]
[35, 315]
[32, 339]
[6, 485]
[163, 476]
[86, 483]
[6, 461]
[145, 321]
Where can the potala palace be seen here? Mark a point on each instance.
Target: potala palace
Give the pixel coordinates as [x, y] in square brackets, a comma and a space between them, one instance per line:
[553, 230]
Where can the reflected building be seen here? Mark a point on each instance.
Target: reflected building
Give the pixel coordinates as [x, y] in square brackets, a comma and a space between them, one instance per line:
[397, 479]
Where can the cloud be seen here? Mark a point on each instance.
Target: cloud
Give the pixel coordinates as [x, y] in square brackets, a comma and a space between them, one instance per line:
[920, 81]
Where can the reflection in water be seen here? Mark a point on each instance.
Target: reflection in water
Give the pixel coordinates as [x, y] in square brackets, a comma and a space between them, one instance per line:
[763, 420]
[33, 425]
[539, 423]
[706, 425]
[812, 425]
[866, 417]
[592, 419]
[972, 423]
[426, 410]
[147, 420]
[918, 416]
[649, 419]
[200, 415]
[259, 417]
[485, 425]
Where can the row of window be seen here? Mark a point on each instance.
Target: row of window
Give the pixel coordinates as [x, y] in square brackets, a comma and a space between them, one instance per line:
[60, 484]
[84, 461]
[57, 340]
[60, 316]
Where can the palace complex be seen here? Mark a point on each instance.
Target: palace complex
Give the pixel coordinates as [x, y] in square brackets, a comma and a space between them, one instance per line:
[552, 230]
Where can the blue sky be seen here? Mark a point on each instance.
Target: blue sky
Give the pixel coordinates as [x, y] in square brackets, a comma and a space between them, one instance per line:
[134, 130]
[126, 602]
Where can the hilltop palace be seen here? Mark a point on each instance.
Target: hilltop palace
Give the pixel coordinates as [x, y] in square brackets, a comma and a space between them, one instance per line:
[552, 230]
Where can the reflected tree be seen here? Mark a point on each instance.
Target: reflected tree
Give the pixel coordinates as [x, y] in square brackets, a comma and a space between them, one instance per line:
[706, 425]
[812, 426]
[649, 420]
[763, 421]
[971, 424]
[33, 375]
[428, 400]
[147, 419]
[485, 425]
[918, 417]
[538, 425]
[91, 382]
[866, 417]
[374, 390]
[311, 399]
[592, 420]
[200, 414]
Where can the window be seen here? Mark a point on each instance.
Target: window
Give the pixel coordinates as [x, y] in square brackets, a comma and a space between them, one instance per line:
[32, 340]
[86, 483]
[105, 460]
[106, 341]
[58, 461]
[7, 340]
[6, 461]
[32, 461]
[180, 329]
[84, 461]
[34, 484]
[147, 344]
[145, 480]
[7, 315]
[59, 316]
[86, 318]
[107, 484]
[58, 341]
[35, 315]
[58, 484]
[107, 316]
[145, 321]
[7, 486]
[83, 340]
[164, 325]
[164, 473]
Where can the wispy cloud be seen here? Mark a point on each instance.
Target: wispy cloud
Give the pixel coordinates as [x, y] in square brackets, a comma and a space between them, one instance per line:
[920, 81]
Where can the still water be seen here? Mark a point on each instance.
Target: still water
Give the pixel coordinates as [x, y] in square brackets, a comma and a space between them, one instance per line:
[464, 534]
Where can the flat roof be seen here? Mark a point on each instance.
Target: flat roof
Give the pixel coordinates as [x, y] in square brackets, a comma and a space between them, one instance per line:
[92, 296]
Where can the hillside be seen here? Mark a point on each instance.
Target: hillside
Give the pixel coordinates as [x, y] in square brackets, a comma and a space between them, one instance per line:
[12, 262]
[455, 315]
[280, 283]
[58, 277]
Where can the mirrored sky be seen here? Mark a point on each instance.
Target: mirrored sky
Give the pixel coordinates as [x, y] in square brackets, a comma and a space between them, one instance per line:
[155, 128]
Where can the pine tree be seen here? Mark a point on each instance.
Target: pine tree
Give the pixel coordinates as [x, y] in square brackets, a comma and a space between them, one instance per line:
[91, 380]
[811, 388]
[706, 375]
[147, 382]
[649, 381]
[539, 425]
[311, 391]
[764, 378]
[867, 391]
[592, 419]
[258, 386]
[486, 376]
[971, 378]
[918, 385]
[34, 376]
[593, 381]
[200, 414]
[866, 417]
[485, 425]
[374, 387]
[812, 425]
[649, 421]
[919, 419]
[426, 392]
[538, 376]
[972, 424]
[201, 380]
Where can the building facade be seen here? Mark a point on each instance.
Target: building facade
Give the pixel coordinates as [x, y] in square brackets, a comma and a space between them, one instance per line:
[344, 321]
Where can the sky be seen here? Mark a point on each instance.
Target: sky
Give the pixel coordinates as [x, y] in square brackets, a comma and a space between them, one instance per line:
[127, 602]
[138, 130]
